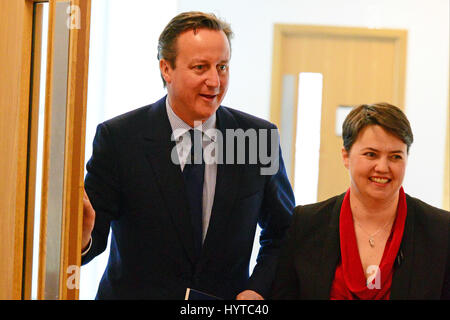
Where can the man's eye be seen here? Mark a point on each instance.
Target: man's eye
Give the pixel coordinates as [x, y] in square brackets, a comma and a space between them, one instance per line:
[370, 154]
[397, 157]
[199, 67]
[223, 67]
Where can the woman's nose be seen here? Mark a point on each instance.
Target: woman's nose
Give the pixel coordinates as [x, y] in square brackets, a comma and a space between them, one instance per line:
[382, 165]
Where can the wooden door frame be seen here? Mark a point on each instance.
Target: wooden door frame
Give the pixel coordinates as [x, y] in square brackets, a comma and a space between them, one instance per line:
[446, 189]
[15, 51]
[18, 162]
[285, 30]
[73, 154]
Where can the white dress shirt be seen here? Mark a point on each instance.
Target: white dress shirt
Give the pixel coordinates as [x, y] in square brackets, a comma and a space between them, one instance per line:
[180, 130]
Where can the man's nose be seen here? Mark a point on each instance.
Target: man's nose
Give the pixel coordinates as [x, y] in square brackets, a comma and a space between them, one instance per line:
[212, 78]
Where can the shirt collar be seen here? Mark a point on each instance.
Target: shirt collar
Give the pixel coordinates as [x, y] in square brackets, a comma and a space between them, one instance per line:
[179, 127]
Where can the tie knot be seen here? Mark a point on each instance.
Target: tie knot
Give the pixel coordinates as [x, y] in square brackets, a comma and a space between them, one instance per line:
[195, 134]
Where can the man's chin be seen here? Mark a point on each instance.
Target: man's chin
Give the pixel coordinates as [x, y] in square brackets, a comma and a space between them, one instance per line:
[205, 113]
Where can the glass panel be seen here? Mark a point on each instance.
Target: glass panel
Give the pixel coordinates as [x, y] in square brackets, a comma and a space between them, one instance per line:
[307, 146]
[287, 120]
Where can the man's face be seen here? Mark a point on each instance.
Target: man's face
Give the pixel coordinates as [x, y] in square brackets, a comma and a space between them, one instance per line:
[199, 81]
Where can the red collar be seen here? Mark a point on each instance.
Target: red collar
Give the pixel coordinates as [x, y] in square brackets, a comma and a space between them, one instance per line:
[350, 281]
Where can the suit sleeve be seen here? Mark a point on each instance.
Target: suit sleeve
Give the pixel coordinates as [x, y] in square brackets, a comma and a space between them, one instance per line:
[274, 220]
[286, 285]
[102, 188]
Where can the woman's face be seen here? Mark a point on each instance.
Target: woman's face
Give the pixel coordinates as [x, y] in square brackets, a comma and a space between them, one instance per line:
[376, 163]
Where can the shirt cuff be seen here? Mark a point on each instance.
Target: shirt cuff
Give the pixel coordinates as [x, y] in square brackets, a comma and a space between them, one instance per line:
[88, 247]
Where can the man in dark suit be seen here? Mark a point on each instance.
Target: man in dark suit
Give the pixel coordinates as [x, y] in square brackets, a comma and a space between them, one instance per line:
[178, 219]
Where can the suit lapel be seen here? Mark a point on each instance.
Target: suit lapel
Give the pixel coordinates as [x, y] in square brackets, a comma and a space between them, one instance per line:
[421, 265]
[404, 277]
[331, 253]
[159, 147]
[403, 274]
[226, 182]
[330, 246]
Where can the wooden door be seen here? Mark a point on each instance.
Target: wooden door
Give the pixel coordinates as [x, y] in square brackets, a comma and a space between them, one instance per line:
[15, 52]
[358, 66]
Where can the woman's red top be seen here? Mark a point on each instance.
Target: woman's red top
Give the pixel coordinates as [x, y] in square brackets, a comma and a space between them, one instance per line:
[349, 280]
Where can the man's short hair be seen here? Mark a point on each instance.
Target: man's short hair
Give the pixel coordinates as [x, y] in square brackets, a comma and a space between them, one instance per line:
[185, 21]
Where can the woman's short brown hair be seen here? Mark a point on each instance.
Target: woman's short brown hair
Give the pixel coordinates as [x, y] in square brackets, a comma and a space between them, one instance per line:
[389, 117]
[192, 20]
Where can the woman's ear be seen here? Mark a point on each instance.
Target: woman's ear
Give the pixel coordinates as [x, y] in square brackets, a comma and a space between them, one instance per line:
[345, 157]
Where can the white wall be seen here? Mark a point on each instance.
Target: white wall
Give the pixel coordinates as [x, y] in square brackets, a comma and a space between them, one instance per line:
[427, 76]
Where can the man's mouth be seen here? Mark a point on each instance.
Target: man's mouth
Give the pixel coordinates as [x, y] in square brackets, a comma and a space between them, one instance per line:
[208, 96]
[380, 180]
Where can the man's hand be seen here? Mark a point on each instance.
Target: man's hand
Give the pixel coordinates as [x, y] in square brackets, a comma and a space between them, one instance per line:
[249, 295]
[88, 221]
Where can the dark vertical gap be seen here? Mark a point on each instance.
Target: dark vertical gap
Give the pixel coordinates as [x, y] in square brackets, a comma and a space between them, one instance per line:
[27, 184]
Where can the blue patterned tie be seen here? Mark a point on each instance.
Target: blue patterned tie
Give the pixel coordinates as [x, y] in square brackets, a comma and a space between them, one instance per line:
[193, 174]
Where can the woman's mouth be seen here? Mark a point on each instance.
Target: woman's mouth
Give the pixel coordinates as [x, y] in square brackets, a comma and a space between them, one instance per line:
[379, 180]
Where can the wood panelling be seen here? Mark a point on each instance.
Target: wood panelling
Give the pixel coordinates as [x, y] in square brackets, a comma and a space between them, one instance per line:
[46, 153]
[74, 160]
[446, 196]
[19, 110]
[15, 60]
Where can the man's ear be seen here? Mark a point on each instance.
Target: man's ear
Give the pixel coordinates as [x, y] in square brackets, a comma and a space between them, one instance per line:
[165, 68]
[345, 157]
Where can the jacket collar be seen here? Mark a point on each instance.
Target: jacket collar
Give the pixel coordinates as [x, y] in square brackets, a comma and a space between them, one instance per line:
[331, 251]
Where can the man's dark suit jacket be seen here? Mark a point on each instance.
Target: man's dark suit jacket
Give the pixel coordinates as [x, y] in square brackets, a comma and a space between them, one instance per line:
[139, 192]
[311, 253]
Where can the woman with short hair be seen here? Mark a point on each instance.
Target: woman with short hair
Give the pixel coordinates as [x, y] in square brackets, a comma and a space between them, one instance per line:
[374, 241]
